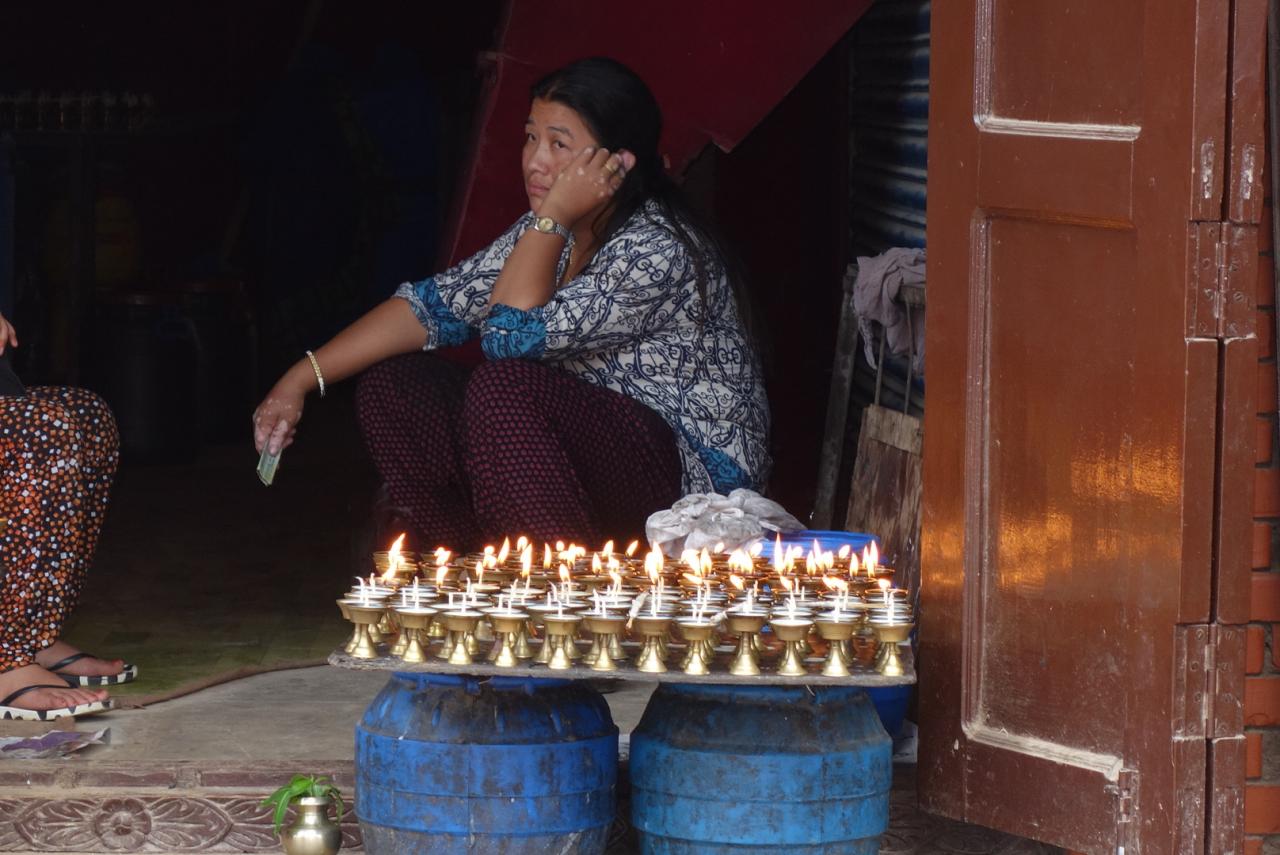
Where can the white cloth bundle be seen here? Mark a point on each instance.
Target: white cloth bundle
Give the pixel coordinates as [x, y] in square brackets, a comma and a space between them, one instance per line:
[704, 519]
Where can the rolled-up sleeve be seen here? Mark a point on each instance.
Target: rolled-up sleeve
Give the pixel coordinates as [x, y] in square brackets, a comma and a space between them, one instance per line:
[452, 305]
[444, 328]
[511, 333]
[631, 289]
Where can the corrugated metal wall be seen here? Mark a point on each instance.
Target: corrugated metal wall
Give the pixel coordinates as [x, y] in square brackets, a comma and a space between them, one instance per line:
[889, 130]
[890, 124]
[888, 64]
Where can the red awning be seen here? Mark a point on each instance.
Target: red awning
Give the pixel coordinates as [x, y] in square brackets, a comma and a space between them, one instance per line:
[716, 67]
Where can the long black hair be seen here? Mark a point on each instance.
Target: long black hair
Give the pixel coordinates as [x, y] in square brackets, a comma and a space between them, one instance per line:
[621, 113]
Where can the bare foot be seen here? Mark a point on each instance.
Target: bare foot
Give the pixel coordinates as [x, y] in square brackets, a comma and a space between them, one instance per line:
[90, 666]
[44, 699]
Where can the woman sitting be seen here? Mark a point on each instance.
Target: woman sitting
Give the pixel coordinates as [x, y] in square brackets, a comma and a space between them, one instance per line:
[619, 373]
[60, 450]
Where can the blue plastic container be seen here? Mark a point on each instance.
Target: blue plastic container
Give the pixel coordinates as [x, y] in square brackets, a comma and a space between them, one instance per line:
[720, 769]
[831, 541]
[450, 765]
[891, 703]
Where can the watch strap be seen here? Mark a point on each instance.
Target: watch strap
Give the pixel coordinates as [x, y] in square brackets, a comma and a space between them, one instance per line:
[548, 226]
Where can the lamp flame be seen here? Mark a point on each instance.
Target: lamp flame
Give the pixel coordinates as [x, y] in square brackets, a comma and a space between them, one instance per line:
[653, 560]
[736, 581]
[393, 559]
[632, 547]
[505, 550]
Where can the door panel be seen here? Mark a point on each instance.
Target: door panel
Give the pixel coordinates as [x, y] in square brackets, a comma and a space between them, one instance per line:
[1070, 437]
[1061, 482]
[1037, 52]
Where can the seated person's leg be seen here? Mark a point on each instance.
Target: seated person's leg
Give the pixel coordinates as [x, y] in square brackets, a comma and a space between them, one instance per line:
[408, 408]
[554, 457]
[100, 452]
[42, 547]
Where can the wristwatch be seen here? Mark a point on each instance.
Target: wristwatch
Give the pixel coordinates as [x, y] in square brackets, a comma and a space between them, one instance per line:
[548, 226]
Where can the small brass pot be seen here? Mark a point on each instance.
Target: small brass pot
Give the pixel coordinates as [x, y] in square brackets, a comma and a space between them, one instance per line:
[313, 832]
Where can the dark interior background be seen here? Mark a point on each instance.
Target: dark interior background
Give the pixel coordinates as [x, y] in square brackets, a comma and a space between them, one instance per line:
[192, 194]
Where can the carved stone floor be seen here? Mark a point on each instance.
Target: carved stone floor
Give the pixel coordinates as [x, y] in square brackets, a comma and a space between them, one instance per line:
[188, 775]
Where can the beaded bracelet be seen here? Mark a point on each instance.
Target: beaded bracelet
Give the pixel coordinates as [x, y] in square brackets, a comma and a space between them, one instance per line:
[315, 366]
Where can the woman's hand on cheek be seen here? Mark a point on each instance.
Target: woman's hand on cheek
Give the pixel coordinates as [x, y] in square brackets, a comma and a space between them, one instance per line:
[586, 184]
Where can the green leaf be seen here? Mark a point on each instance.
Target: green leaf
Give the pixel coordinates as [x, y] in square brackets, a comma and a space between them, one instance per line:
[301, 785]
[282, 807]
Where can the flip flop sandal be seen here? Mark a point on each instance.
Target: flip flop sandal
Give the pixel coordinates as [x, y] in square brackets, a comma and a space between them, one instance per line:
[19, 714]
[127, 674]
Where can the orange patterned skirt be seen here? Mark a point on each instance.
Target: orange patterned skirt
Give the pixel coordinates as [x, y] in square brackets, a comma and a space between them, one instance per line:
[60, 449]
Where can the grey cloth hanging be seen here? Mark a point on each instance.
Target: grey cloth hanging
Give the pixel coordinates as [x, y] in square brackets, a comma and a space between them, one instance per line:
[874, 293]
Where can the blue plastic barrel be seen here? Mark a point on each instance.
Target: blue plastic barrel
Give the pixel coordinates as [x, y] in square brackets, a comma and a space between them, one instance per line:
[743, 769]
[449, 764]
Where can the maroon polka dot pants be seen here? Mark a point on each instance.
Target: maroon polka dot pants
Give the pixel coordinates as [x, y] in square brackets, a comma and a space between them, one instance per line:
[59, 448]
[514, 447]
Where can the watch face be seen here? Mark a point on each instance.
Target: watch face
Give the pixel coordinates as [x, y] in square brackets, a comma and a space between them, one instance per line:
[544, 224]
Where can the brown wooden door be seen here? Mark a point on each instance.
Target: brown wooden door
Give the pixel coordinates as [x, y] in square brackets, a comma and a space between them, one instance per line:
[1087, 424]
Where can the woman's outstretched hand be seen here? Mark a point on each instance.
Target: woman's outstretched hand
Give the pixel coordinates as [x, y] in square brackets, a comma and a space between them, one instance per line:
[587, 183]
[8, 335]
[276, 419]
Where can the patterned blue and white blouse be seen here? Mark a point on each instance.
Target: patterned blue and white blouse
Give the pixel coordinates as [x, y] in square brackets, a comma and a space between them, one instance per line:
[628, 322]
